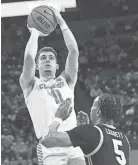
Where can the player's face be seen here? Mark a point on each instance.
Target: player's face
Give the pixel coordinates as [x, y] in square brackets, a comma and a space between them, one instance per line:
[47, 62]
[94, 111]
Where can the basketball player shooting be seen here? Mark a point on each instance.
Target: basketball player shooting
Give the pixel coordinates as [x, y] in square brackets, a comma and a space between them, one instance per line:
[43, 95]
[101, 142]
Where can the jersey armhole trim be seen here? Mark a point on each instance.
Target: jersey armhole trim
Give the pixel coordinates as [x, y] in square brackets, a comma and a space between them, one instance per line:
[99, 145]
[90, 161]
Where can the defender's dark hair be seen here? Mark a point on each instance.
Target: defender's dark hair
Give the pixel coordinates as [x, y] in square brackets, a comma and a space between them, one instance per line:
[110, 106]
[46, 49]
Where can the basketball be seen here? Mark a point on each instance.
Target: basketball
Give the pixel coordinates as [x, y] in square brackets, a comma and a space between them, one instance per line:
[42, 18]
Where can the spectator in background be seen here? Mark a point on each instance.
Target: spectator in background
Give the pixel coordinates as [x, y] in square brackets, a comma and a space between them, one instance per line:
[6, 161]
[135, 98]
[122, 55]
[130, 111]
[6, 142]
[114, 51]
[111, 28]
[100, 31]
[92, 30]
[21, 161]
[20, 148]
[129, 75]
[95, 91]
[101, 58]
[87, 82]
[126, 99]
[135, 25]
[120, 26]
[83, 60]
[13, 161]
[135, 63]
[93, 53]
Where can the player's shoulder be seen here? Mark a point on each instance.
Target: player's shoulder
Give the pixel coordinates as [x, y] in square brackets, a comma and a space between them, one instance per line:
[105, 127]
[62, 77]
[113, 132]
[111, 127]
[95, 139]
[87, 132]
[85, 129]
[94, 131]
[88, 136]
[27, 91]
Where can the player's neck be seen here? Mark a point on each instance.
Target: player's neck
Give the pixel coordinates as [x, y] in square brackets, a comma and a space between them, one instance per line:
[47, 77]
[107, 122]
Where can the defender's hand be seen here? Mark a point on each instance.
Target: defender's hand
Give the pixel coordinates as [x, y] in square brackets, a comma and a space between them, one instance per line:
[39, 33]
[64, 110]
[82, 118]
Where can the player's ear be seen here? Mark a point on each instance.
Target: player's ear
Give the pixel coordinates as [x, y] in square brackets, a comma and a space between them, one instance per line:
[57, 67]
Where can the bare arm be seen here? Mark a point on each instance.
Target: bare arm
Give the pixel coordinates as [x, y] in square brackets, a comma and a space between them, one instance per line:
[57, 139]
[62, 113]
[54, 138]
[71, 67]
[28, 73]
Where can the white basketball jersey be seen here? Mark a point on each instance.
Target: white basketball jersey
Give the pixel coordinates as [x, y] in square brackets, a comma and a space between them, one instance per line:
[43, 102]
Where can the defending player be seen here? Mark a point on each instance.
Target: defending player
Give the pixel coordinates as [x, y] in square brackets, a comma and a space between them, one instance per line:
[101, 143]
[43, 95]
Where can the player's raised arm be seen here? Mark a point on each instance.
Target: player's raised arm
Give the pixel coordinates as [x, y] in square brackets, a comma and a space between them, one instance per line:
[28, 71]
[71, 67]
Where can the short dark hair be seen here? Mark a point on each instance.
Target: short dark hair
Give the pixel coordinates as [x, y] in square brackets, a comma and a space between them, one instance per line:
[110, 106]
[46, 49]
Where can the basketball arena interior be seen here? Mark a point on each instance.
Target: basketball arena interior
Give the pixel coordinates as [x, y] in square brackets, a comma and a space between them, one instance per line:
[107, 35]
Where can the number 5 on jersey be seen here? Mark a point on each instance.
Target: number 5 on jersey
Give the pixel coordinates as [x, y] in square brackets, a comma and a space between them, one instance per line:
[120, 154]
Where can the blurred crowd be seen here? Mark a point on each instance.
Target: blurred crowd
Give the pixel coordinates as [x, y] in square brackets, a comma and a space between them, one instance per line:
[108, 63]
[114, 71]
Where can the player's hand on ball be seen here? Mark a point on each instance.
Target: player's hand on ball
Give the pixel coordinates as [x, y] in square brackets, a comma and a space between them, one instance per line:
[64, 110]
[82, 118]
[36, 31]
[58, 16]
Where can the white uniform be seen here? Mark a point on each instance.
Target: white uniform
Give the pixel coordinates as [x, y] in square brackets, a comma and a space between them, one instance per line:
[42, 104]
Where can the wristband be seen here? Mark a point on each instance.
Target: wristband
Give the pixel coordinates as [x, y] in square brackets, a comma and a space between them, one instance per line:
[58, 120]
[64, 27]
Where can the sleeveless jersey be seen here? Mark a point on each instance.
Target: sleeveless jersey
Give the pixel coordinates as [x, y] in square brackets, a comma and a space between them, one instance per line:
[113, 148]
[43, 102]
